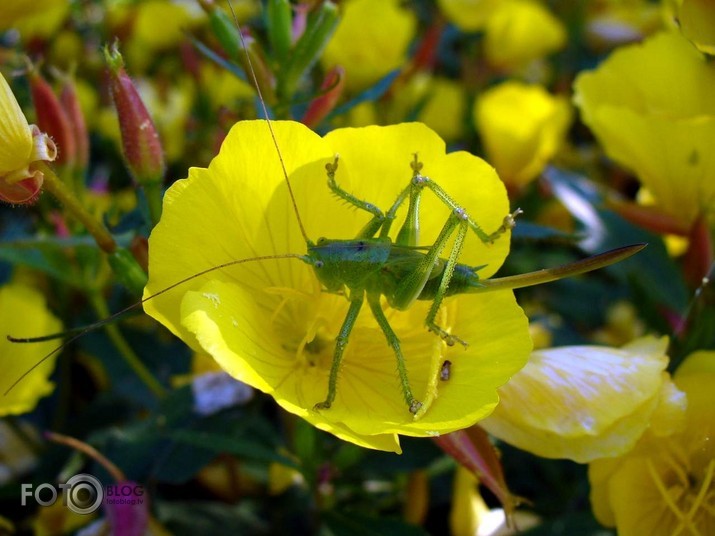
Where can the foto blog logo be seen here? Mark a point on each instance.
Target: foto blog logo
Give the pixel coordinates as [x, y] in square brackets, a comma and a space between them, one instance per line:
[82, 494]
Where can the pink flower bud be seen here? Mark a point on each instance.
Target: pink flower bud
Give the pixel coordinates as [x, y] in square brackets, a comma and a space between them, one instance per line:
[332, 86]
[140, 140]
[52, 118]
[70, 103]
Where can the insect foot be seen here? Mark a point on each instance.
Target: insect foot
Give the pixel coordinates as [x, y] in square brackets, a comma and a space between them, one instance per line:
[415, 406]
[448, 338]
[416, 165]
[322, 405]
[508, 224]
[332, 167]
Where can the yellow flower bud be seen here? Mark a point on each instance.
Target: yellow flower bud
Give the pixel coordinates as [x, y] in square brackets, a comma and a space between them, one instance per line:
[371, 40]
[521, 31]
[522, 127]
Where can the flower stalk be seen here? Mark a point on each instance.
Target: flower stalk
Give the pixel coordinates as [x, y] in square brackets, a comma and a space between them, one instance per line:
[63, 194]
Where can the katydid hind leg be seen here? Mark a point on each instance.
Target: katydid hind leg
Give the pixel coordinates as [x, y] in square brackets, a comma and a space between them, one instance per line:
[449, 266]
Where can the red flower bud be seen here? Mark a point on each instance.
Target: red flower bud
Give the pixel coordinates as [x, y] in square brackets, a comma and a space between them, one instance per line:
[70, 102]
[332, 88]
[140, 140]
[472, 449]
[52, 118]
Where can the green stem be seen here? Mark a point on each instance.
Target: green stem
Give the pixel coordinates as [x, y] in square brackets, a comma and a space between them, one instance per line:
[125, 350]
[153, 192]
[64, 195]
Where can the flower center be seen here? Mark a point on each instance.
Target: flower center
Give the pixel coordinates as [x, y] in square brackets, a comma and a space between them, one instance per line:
[689, 497]
[304, 322]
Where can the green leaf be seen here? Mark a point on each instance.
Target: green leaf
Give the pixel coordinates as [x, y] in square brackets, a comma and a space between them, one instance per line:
[604, 229]
[245, 448]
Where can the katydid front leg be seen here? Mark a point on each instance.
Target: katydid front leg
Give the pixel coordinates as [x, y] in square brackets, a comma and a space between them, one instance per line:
[378, 217]
[379, 222]
[341, 341]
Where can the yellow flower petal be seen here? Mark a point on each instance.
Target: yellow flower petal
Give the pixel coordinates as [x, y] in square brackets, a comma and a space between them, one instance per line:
[583, 402]
[697, 22]
[269, 324]
[15, 133]
[23, 313]
[651, 107]
[702, 361]
[468, 15]
[33, 17]
[370, 41]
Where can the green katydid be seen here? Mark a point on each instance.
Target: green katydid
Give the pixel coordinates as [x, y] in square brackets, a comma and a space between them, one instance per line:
[371, 265]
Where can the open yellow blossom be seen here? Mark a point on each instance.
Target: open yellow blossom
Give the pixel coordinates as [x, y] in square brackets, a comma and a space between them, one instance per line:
[23, 313]
[522, 127]
[521, 31]
[269, 323]
[650, 106]
[21, 145]
[370, 41]
[666, 484]
[586, 402]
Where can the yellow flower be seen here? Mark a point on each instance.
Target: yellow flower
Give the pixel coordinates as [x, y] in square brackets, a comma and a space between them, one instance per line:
[33, 18]
[21, 145]
[23, 313]
[651, 107]
[521, 31]
[468, 15]
[445, 107]
[270, 325]
[585, 402]
[370, 41]
[522, 128]
[440, 103]
[697, 22]
[666, 485]
[223, 87]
